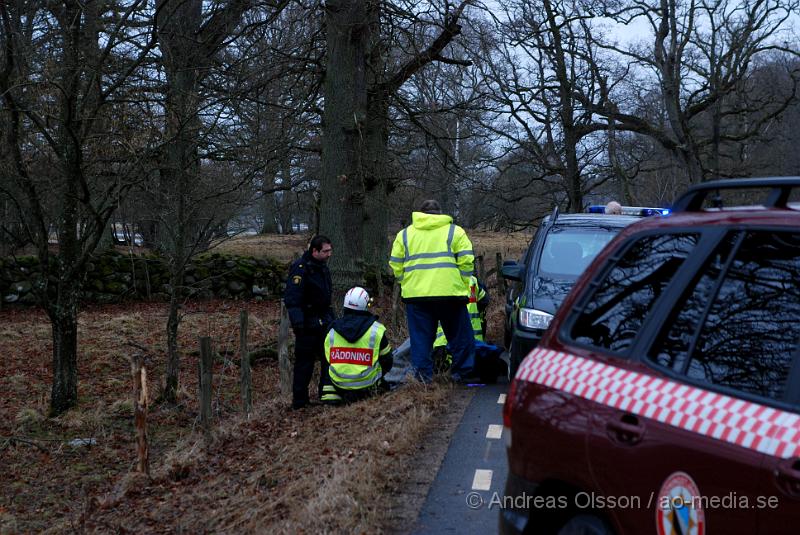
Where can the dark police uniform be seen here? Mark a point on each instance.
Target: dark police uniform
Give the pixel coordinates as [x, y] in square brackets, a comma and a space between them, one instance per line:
[308, 301]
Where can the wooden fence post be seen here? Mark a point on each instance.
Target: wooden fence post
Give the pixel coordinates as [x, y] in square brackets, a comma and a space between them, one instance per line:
[480, 269]
[140, 402]
[501, 281]
[206, 364]
[247, 393]
[284, 366]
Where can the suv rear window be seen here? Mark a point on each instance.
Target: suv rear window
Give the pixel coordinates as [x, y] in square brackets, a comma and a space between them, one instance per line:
[740, 331]
[617, 309]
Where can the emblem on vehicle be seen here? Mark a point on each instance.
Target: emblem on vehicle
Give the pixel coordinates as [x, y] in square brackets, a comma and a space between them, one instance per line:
[679, 509]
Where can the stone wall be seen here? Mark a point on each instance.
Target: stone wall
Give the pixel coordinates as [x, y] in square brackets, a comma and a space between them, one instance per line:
[113, 277]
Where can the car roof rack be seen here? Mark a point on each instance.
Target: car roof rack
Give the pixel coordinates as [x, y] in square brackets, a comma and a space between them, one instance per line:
[780, 189]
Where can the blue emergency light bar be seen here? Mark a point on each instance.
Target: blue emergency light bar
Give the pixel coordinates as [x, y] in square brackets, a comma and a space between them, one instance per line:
[641, 211]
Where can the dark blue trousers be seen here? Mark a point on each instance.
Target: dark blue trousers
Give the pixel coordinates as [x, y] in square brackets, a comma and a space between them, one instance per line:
[423, 319]
[309, 348]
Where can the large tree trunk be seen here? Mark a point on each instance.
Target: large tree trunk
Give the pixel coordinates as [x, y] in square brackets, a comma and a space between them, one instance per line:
[173, 355]
[342, 184]
[573, 175]
[376, 141]
[694, 167]
[269, 210]
[572, 178]
[177, 34]
[64, 323]
[617, 170]
[64, 313]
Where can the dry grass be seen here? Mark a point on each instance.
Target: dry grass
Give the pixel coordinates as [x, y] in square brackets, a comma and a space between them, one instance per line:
[287, 248]
[283, 248]
[323, 469]
[319, 470]
[326, 470]
[44, 480]
[488, 244]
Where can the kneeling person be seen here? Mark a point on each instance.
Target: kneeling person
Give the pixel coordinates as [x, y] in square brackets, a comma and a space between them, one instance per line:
[358, 353]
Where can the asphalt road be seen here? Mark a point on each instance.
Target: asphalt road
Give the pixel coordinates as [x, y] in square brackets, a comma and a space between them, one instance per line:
[472, 472]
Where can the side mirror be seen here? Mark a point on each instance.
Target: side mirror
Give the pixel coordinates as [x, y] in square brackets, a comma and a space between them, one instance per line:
[511, 270]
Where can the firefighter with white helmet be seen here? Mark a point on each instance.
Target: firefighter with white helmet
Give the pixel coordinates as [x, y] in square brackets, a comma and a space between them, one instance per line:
[356, 349]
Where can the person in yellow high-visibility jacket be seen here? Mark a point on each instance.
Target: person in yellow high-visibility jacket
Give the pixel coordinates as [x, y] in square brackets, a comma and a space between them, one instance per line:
[356, 349]
[432, 259]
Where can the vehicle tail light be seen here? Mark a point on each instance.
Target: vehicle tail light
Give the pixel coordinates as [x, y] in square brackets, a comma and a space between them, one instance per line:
[507, 408]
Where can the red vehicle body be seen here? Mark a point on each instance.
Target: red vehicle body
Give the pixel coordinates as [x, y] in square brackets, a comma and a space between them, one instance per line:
[665, 396]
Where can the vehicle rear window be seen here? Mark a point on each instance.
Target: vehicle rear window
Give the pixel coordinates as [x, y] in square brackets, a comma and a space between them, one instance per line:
[750, 320]
[617, 309]
[567, 253]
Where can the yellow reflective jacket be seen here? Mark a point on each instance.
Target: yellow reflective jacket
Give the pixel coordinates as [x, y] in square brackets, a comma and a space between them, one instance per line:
[432, 257]
[354, 365]
[476, 294]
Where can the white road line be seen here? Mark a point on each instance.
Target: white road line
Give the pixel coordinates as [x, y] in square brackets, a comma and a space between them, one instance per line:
[501, 399]
[482, 480]
[488, 450]
[495, 431]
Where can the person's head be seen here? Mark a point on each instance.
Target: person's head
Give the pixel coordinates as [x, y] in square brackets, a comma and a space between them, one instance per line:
[614, 208]
[356, 298]
[321, 248]
[430, 207]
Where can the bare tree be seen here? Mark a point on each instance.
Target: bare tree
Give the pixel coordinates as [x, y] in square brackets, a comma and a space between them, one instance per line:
[277, 106]
[701, 57]
[374, 48]
[192, 202]
[72, 145]
[546, 75]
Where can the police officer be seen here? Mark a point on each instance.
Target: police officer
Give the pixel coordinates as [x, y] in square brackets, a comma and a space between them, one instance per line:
[356, 349]
[308, 301]
[432, 259]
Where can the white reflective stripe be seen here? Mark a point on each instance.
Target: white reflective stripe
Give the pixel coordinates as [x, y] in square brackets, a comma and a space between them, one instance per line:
[372, 334]
[430, 266]
[331, 337]
[466, 273]
[450, 233]
[717, 416]
[444, 254]
[395, 259]
[463, 253]
[360, 384]
[361, 375]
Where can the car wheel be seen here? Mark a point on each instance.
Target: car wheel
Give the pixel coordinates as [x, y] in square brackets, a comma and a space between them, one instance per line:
[585, 525]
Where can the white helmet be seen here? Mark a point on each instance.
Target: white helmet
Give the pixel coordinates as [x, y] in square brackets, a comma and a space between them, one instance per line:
[356, 298]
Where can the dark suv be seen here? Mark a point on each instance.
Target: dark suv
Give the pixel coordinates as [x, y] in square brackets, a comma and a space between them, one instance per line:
[665, 396]
[559, 252]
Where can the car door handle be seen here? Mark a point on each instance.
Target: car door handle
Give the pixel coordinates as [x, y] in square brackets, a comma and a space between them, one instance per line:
[626, 429]
[788, 475]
